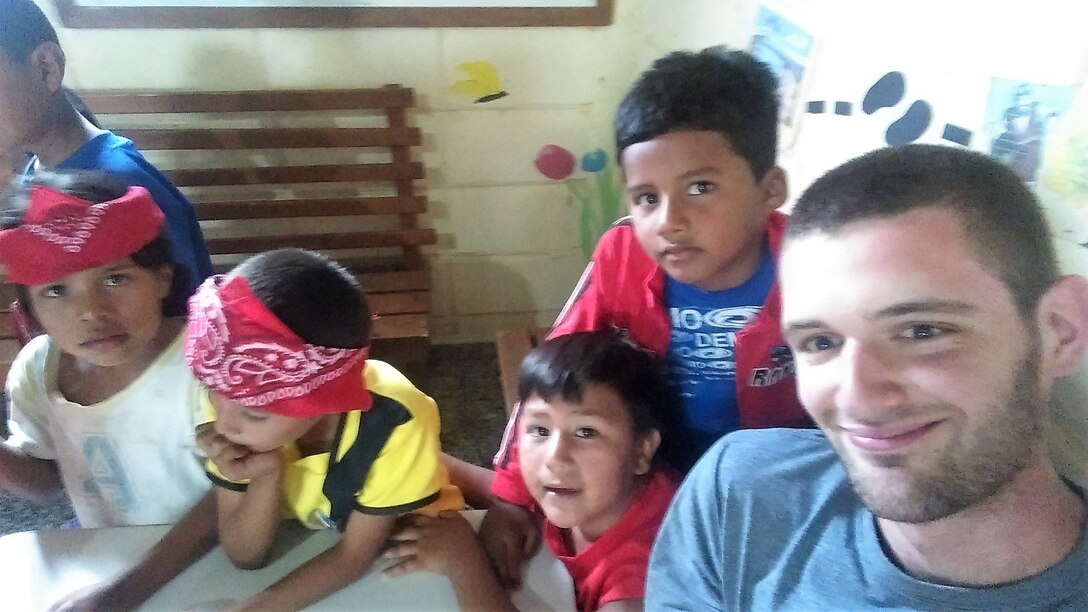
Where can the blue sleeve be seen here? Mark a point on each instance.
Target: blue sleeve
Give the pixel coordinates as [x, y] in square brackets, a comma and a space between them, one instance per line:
[182, 227]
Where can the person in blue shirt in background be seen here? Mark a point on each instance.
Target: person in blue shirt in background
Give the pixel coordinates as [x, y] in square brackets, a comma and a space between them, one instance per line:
[37, 117]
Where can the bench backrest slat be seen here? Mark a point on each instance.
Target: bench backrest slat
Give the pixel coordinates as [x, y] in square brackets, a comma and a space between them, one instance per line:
[124, 102]
[293, 175]
[324, 207]
[270, 138]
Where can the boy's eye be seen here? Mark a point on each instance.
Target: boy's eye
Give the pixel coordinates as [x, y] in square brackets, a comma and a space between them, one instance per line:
[254, 415]
[586, 432]
[645, 199]
[701, 188]
[819, 343]
[116, 280]
[922, 331]
[537, 431]
[52, 291]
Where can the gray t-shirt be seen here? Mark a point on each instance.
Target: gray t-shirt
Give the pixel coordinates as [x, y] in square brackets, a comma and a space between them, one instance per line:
[767, 520]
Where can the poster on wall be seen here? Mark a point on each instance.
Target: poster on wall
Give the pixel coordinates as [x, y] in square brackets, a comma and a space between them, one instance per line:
[787, 49]
[872, 85]
[1026, 127]
[1063, 174]
[1019, 118]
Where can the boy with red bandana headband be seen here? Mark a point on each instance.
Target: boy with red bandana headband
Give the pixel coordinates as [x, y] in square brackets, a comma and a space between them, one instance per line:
[690, 274]
[301, 423]
[88, 415]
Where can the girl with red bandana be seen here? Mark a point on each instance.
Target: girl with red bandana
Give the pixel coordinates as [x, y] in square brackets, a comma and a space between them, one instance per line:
[101, 402]
[301, 423]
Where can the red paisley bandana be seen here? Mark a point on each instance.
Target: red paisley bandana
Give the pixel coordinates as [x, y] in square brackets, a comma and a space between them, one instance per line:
[236, 347]
[62, 234]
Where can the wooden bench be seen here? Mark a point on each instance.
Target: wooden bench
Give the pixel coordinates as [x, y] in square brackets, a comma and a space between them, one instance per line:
[328, 170]
[512, 346]
[9, 341]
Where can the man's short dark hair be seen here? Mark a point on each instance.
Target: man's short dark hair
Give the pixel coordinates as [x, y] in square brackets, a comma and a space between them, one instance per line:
[312, 295]
[999, 212]
[562, 368]
[23, 27]
[716, 90]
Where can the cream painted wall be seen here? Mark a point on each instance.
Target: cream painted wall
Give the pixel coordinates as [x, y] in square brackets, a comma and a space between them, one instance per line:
[508, 252]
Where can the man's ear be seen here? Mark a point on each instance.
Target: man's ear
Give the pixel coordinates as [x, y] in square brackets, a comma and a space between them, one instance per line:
[775, 188]
[645, 449]
[1062, 320]
[47, 65]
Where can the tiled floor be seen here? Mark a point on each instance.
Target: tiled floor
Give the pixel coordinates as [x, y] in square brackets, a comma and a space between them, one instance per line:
[463, 379]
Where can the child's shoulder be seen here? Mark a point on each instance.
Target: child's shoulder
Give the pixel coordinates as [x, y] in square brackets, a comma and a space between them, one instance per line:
[660, 487]
[381, 373]
[647, 508]
[384, 379]
[32, 361]
[619, 248]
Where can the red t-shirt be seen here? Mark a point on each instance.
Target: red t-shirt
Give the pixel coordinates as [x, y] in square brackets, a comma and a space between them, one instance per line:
[613, 567]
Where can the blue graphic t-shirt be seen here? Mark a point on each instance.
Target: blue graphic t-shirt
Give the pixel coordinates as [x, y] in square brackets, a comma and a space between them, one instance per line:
[701, 361]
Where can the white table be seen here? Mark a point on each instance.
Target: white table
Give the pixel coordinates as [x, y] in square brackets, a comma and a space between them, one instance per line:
[38, 567]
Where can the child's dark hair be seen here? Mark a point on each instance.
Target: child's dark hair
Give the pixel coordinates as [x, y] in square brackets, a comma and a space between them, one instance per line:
[312, 295]
[563, 366]
[23, 27]
[1001, 216]
[94, 187]
[716, 90]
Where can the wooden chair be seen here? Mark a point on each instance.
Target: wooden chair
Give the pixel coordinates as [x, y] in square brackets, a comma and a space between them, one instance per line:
[512, 346]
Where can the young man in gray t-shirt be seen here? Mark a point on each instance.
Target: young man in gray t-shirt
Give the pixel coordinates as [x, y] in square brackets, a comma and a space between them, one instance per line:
[929, 323]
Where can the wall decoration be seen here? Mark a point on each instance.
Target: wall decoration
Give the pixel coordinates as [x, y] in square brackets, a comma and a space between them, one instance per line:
[332, 13]
[1019, 118]
[1063, 176]
[787, 49]
[482, 82]
[600, 202]
[1018, 92]
[887, 92]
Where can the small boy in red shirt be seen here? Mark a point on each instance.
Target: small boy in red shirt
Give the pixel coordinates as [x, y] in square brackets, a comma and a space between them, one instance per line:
[590, 428]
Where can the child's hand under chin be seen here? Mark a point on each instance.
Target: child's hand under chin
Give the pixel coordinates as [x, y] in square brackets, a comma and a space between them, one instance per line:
[235, 461]
[429, 544]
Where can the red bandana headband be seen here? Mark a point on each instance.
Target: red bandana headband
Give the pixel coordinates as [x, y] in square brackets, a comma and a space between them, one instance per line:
[62, 234]
[236, 347]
